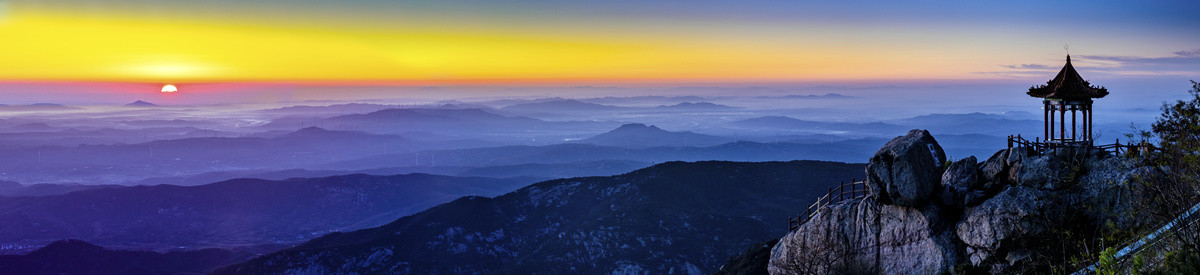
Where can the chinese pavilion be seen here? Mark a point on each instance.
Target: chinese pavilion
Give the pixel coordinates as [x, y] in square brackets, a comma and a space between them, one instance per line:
[1068, 92]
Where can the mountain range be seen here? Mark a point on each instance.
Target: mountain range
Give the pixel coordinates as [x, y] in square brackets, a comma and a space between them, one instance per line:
[230, 213]
[673, 217]
[79, 257]
[117, 163]
[844, 151]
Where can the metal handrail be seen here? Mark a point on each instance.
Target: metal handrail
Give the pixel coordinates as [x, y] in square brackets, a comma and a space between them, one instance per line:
[1117, 148]
[858, 189]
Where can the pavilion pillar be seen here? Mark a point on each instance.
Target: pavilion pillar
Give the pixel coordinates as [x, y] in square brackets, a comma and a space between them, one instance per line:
[1087, 127]
[1051, 111]
[1062, 120]
[1083, 126]
[1073, 125]
[1090, 120]
[1046, 119]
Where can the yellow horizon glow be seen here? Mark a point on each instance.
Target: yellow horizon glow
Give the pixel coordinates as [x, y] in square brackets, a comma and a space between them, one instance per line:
[61, 46]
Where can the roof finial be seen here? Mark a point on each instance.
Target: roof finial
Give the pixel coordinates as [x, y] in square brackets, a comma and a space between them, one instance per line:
[1067, 47]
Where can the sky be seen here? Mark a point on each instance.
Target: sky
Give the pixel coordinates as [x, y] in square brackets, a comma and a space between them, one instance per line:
[128, 46]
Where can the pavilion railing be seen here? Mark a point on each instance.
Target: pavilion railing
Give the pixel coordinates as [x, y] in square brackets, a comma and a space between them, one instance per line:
[1116, 147]
[857, 190]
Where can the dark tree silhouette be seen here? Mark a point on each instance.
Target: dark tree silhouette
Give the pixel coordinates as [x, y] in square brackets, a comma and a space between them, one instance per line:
[1173, 186]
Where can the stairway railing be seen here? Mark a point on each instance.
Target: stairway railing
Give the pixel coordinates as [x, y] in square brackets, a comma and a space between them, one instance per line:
[857, 190]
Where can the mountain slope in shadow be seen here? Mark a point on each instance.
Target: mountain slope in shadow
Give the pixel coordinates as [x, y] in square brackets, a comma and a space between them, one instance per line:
[672, 217]
[79, 257]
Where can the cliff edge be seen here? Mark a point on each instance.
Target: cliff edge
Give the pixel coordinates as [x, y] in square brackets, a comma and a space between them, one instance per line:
[1018, 211]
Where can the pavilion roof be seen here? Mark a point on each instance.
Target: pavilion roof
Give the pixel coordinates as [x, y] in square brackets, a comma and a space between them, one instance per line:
[1067, 85]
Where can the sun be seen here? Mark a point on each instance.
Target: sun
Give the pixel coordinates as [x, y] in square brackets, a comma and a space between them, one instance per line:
[169, 88]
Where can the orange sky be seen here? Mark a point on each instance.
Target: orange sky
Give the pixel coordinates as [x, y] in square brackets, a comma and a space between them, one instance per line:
[91, 47]
[60, 43]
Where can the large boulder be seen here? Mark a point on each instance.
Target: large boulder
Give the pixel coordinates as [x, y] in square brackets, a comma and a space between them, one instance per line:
[961, 185]
[962, 174]
[1052, 170]
[1014, 159]
[1038, 172]
[907, 170]
[994, 170]
[1105, 192]
[866, 237]
[999, 231]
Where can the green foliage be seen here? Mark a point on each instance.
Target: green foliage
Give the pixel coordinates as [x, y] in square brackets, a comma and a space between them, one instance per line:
[1173, 184]
[1075, 244]
[1178, 134]
[1180, 262]
[1138, 264]
[1107, 262]
[1180, 122]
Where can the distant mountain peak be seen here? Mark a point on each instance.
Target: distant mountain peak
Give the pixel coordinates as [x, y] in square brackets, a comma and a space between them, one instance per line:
[642, 135]
[69, 246]
[637, 126]
[141, 103]
[312, 129]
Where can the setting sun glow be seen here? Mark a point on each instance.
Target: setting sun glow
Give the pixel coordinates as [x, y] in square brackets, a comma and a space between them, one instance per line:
[191, 50]
[169, 88]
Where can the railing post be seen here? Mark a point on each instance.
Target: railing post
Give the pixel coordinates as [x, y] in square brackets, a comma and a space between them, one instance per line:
[1117, 147]
[853, 188]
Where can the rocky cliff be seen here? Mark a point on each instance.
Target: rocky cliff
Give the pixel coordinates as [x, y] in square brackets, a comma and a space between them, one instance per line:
[1018, 211]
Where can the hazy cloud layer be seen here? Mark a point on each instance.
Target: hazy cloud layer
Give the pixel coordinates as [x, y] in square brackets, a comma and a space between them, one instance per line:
[1030, 67]
[1181, 63]
[1191, 53]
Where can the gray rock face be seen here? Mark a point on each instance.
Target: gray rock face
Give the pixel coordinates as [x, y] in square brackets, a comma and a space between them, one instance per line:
[863, 237]
[1014, 159]
[1009, 214]
[1053, 170]
[1105, 189]
[1037, 172]
[960, 178]
[1003, 223]
[907, 170]
[994, 170]
[962, 173]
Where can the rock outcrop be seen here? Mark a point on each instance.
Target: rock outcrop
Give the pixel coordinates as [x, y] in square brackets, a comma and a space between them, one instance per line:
[961, 185]
[1002, 223]
[864, 237]
[906, 171]
[999, 216]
